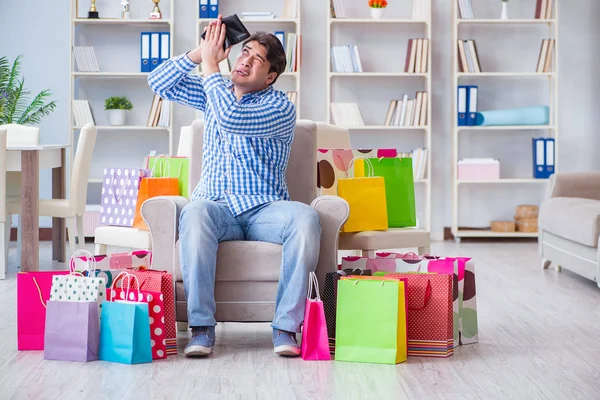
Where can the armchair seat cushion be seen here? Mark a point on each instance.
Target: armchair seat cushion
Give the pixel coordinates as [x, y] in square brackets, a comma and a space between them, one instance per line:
[391, 238]
[572, 218]
[244, 261]
[122, 236]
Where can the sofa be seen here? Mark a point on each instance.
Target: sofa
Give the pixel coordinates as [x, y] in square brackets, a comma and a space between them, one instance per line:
[247, 272]
[569, 224]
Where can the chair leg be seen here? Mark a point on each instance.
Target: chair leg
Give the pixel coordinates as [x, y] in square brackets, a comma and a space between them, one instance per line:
[100, 249]
[80, 234]
[182, 326]
[3, 250]
[71, 231]
[19, 240]
[545, 263]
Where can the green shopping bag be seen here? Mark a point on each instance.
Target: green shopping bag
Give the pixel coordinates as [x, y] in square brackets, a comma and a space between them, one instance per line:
[171, 167]
[399, 190]
[371, 321]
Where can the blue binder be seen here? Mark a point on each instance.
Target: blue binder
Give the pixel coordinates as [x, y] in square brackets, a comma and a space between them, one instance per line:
[154, 50]
[463, 104]
[550, 154]
[281, 36]
[145, 52]
[539, 158]
[165, 46]
[473, 105]
[213, 9]
[203, 8]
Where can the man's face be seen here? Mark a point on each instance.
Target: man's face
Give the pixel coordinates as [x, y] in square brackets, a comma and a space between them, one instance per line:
[251, 69]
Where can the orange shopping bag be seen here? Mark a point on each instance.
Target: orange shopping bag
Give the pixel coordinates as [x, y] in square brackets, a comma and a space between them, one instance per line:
[153, 187]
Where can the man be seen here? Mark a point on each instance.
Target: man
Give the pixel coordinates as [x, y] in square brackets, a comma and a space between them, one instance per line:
[242, 194]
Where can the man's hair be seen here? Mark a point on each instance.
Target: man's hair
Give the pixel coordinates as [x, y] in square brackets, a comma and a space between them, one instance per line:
[275, 51]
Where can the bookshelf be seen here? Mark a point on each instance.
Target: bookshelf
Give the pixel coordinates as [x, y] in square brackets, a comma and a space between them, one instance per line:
[495, 81]
[116, 44]
[284, 20]
[383, 79]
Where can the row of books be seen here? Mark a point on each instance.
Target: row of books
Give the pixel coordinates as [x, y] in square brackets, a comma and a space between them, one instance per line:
[544, 9]
[85, 59]
[155, 49]
[82, 113]
[160, 113]
[345, 59]
[419, 161]
[291, 52]
[407, 112]
[468, 60]
[293, 97]
[468, 102]
[417, 56]
[545, 58]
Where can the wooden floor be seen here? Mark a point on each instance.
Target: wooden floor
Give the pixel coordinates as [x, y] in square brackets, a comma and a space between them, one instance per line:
[539, 339]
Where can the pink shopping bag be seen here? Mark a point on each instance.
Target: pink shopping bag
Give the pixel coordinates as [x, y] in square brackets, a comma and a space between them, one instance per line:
[33, 292]
[315, 343]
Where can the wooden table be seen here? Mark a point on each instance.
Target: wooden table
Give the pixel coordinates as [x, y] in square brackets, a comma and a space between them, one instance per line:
[29, 160]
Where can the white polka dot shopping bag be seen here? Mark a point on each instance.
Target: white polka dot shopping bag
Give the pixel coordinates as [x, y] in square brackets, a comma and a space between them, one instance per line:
[119, 197]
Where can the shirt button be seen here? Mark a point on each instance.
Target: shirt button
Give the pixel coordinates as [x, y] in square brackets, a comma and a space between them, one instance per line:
[226, 191]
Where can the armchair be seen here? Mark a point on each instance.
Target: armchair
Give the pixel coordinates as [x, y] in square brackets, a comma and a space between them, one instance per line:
[569, 224]
[247, 272]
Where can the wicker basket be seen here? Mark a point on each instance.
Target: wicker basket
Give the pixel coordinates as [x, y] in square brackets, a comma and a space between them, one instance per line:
[527, 211]
[503, 226]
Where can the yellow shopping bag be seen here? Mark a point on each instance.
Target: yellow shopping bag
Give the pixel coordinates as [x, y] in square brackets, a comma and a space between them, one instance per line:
[366, 197]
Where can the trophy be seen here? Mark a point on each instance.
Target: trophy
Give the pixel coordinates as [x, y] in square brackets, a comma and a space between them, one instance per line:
[93, 13]
[156, 13]
[125, 13]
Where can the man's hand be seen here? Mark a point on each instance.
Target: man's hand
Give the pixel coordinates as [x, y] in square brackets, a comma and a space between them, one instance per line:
[212, 52]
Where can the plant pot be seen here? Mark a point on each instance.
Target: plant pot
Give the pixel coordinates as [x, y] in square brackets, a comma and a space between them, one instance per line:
[377, 13]
[504, 14]
[117, 117]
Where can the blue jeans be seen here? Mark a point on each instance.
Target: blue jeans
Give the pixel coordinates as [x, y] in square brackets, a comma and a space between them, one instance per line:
[205, 223]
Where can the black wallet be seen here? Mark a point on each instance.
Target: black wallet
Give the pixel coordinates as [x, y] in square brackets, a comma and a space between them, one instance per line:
[236, 31]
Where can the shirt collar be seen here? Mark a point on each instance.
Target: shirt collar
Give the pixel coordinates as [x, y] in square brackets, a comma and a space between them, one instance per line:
[252, 94]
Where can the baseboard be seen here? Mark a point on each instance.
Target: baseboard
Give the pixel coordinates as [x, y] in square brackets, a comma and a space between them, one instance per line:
[449, 236]
[45, 235]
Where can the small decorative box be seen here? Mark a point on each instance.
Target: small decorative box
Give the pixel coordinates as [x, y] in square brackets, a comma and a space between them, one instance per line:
[478, 169]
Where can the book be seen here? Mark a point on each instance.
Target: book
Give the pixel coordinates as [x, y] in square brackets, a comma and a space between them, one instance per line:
[549, 56]
[346, 114]
[542, 56]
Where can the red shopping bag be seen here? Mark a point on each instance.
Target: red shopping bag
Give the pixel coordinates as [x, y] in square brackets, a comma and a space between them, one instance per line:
[33, 292]
[161, 281]
[315, 343]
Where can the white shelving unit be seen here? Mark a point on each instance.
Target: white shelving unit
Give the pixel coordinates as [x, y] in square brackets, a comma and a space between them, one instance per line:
[410, 27]
[116, 45]
[506, 184]
[287, 81]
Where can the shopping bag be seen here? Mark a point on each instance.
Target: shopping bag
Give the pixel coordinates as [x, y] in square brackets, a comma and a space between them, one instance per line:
[161, 281]
[153, 187]
[366, 198]
[330, 299]
[138, 258]
[33, 291]
[156, 311]
[119, 195]
[315, 345]
[399, 189]
[72, 331]
[333, 164]
[172, 167]
[430, 314]
[374, 264]
[125, 330]
[371, 321]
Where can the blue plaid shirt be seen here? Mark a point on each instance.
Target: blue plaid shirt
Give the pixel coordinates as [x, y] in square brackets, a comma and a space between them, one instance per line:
[246, 142]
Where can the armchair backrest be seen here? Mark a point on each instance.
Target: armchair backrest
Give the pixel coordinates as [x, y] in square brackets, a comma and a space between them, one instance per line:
[301, 174]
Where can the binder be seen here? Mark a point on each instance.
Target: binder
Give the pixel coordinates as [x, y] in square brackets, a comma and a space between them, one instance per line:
[165, 47]
[154, 50]
[473, 103]
[539, 158]
[550, 156]
[281, 36]
[213, 9]
[463, 101]
[203, 8]
[145, 52]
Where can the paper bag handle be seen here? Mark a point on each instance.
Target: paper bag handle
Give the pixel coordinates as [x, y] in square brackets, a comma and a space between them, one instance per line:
[166, 170]
[39, 292]
[367, 161]
[427, 297]
[313, 283]
[90, 260]
[123, 275]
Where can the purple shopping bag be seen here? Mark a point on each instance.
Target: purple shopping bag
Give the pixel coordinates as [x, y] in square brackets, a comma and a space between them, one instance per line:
[119, 195]
[72, 331]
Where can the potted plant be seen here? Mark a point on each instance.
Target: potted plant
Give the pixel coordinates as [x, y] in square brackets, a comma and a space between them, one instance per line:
[15, 107]
[117, 108]
[377, 7]
[504, 14]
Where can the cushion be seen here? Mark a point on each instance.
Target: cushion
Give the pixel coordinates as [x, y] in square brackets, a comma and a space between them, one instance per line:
[393, 238]
[243, 261]
[122, 236]
[572, 218]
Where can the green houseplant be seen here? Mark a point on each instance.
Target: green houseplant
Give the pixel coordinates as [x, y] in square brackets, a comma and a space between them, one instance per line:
[117, 107]
[15, 107]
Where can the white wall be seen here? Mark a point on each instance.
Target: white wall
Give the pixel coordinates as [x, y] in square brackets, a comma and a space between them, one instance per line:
[46, 66]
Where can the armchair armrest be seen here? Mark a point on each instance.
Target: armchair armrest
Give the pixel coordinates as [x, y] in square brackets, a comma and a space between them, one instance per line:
[575, 184]
[162, 216]
[333, 212]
